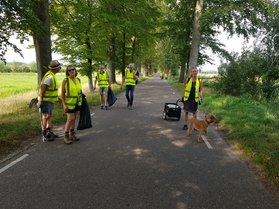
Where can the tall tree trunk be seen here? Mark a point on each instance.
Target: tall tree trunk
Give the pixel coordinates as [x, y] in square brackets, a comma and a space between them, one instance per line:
[184, 65]
[90, 64]
[139, 68]
[90, 82]
[89, 75]
[41, 39]
[193, 61]
[89, 49]
[182, 71]
[123, 54]
[112, 57]
[133, 49]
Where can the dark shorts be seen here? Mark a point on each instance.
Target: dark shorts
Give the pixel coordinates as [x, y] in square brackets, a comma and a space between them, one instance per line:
[47, 107]
[76, 109]
[190, 106]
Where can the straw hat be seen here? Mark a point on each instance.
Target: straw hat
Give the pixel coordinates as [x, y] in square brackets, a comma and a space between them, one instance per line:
[54, 64]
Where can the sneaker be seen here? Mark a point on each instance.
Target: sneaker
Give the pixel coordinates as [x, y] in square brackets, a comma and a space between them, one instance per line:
[53, 135]
[185, 127]
[102, 107]
[47, 137]
[106, 107]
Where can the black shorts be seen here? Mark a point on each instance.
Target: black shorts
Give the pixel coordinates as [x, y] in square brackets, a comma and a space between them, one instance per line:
[76, 109]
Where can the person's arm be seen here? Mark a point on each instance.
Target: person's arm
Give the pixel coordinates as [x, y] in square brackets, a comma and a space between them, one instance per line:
[41, 96]
[43, 91]
[45, 85]
[95, 83]
[63, 95]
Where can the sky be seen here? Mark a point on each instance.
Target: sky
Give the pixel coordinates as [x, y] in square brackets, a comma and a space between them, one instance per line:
[233, 44]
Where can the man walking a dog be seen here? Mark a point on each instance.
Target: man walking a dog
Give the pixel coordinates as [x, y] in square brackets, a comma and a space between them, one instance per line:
[193, 92]
[48, 95]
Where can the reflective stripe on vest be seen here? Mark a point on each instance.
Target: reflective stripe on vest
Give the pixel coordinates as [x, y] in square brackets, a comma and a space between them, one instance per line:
[129, 78]
[51, 93]
[103, 80]
[73, 93]
[188, 87]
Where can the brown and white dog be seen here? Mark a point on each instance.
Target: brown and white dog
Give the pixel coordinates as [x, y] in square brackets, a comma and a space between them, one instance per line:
[200, 125]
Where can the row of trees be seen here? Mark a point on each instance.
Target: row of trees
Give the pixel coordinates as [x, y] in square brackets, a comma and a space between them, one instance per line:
[255, 73]
[17, 67]
[162, 34]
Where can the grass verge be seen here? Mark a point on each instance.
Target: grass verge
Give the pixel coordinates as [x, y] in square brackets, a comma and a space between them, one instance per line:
[251, 125]
[20, 123]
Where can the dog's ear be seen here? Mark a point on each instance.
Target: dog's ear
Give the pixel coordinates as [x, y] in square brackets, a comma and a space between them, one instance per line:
[212, 117]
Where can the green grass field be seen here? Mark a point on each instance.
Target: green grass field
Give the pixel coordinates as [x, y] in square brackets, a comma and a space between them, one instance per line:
[18, 122]
[18, 83]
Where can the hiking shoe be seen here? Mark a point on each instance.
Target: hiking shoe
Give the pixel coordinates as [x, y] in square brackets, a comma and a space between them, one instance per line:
[185, 127]
[67, 139]
[73, 136]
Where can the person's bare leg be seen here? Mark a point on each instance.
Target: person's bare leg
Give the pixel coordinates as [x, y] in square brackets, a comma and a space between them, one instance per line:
[68, 125]
[185, 120]
[72, 131]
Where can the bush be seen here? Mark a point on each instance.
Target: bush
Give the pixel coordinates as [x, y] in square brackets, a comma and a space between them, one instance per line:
[249, 76]
[17, 68]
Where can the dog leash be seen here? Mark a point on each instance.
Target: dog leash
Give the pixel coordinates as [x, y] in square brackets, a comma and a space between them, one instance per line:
[202, 107]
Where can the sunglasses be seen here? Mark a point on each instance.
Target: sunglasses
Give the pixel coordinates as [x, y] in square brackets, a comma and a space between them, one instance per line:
[69, 70]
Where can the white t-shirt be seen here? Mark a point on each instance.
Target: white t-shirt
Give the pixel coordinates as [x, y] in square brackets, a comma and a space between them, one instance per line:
[48, 80]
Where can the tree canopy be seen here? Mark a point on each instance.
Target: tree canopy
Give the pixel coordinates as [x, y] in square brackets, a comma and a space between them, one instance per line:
[155, 34]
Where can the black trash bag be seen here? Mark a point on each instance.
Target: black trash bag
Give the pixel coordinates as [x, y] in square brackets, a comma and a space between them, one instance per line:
[111, 97]
[85, 116]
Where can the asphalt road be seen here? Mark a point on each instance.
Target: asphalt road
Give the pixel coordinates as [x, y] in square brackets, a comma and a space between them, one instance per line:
[133, 159]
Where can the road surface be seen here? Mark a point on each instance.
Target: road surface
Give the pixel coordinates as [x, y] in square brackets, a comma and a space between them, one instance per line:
[133, 159]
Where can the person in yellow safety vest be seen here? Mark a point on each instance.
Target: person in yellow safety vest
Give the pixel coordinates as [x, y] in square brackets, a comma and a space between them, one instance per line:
[47, 96]
[130, 80]
[193, 92]
[166, 76]
[71, 95]
[161, 75]
[103, 83]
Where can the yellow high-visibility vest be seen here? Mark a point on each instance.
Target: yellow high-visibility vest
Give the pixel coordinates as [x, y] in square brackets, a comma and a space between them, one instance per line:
[129, 78]
[73, 93]
[103, 81]
[51, 93]
[188, 87]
